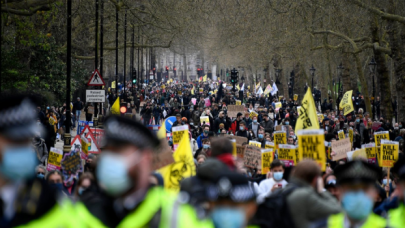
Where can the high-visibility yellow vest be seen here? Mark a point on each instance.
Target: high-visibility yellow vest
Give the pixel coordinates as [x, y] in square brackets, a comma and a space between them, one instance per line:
[396, 217]
[373, 221]
[174, 214]
[62, 215]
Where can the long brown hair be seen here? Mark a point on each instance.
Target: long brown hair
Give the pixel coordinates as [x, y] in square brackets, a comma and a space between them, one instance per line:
[84, 176]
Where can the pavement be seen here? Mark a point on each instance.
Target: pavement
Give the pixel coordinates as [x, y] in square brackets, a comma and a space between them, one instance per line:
[59, 143]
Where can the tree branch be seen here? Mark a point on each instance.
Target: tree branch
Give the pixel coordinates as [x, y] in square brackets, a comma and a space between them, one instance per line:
[379, 12]
[25, 12]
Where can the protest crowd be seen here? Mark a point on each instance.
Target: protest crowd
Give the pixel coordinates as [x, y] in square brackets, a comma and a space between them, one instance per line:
[200, 154]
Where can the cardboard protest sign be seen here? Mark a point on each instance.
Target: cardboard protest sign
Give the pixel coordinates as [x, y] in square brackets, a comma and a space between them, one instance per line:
[280, 137]
[240, 151]
[239, 140]
[287, 154]
[178, 133]
[389, 153]
[234, 109]
[281, 128]
[381, 135]
[311, 146]
[341, 134]
[370, 152]
[54, 159]
[351, 134]
[341, 147]
[255, 143]
[204, 120]
[269, 145]
[267, 159]
[252, 157]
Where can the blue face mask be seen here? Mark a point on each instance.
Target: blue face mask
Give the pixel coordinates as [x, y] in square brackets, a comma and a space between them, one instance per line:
[18, 163]
[400, 126]
[254, 121]
[228, 217]
[287, 123]
[57, 186]
[40, 176]
[112, 174]
[80, 190]
[206, 146]
[357, 120]
[385, 181]
[278, 176]
[357, 205]
[242, 128]
[260, 136]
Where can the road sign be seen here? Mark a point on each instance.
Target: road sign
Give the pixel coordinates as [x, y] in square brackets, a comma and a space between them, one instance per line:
[96, 96]
[96, 79]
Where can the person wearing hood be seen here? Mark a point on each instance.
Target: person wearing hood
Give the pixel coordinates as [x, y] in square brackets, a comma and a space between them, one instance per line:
[204, 135]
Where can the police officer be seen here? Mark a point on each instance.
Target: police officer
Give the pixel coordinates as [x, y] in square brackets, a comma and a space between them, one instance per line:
[355, 181]
[123, 172]
[397, 215]
[24, 200]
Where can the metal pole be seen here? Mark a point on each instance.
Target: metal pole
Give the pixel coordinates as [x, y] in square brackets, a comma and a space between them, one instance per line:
[133, 56]
[141, 61]
[125, 51]
[66, 147]
[374, 97]
[138, 74]
[116, 50]
[312, 82]
[96, 50]
[102, 38]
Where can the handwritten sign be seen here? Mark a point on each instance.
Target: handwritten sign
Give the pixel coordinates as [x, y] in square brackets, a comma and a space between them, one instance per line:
[341, 147]
[389, 153]
[371, 152]
[287, 154]
[381, 135]
[252, 157]
[54, 159]
[311, 146]
[239, 140]
[267, 159]
[233, 110]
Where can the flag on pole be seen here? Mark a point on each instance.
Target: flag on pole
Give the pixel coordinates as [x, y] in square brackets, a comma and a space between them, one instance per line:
[237, 86]
[307, 119]
[275, 89]
[205, 78]
[346, 103]
[200, 79]
[115, 109]
[161, 134]
[260, 91]
[257, 86]
[243, 87]
[182, 167]
[192, 91]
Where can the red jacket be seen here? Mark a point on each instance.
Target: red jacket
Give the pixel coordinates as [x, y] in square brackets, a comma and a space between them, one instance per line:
[235, 126]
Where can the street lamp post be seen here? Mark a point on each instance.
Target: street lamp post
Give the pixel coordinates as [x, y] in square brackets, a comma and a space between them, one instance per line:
[278, 73]
[312, 70]
[373, 68]
[66, 147]
[340, 69]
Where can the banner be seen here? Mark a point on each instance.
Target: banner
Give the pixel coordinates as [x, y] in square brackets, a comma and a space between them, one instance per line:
[252, 157]
[255, 143]
[311, 145]
[280, 137]
[380, 135]
[178, 133]
[287, 154]
[389, 153]
[371, 152]
[341, 134]
[341, 147]
[267, 159]
[307, 114]
[54, 159]
[346, 103]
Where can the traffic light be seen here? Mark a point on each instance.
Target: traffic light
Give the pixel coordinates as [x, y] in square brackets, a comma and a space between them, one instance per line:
[154, 70]
[198, 72]
[134, 80]
[234, 77]
[123, 110]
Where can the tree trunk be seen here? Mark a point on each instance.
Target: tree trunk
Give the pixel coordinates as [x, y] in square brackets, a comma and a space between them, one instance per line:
[363, 82]
[382, 74]
[347, 64]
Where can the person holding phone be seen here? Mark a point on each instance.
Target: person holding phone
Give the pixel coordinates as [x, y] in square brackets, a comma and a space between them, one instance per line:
[274, 182]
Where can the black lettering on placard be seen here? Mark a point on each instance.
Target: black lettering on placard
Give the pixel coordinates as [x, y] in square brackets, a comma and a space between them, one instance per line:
[388, 152]
[283, 154]
[309, 146]
[71, 164]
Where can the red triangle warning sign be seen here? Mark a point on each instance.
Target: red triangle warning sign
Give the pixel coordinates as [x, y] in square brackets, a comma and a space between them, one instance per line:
[96, 79]
[93, 147]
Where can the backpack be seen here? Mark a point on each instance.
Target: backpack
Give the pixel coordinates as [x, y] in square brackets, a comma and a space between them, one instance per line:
[274, 211]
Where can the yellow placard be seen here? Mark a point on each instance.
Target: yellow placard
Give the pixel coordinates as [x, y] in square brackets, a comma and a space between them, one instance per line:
[351, 134]
[113, 85]
[269, 145]
[378, 150]
[320, 116]
[267, 159]
[311, 146]
[378, 136]
[295, 97]
[178, 133]
[163, 86]
[54, 159]
[255, 143]
[389, 153]
[238, 102]
[253, 114]
[280, 98]
[201, 90]
[370, 152]
[234, 148]
[280, 137]
[360, 153]
[179, 93]
[287, 154]
[278, 105]
[341, 134]
[205, 119]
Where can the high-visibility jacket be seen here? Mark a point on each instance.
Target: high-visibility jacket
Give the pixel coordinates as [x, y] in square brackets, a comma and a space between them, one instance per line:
[174, 213]
[373, 221]
[396, 217]
[62, 215]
